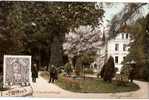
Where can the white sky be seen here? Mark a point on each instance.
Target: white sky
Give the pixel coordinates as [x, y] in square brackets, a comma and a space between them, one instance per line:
[111, 10]
[115, 8]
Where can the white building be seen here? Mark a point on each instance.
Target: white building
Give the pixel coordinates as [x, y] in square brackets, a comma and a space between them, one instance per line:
[118, 48]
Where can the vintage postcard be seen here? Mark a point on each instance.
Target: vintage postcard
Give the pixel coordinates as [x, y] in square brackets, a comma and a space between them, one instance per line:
[74, 49]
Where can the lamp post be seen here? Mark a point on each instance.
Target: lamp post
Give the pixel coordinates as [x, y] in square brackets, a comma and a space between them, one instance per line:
[39, 47]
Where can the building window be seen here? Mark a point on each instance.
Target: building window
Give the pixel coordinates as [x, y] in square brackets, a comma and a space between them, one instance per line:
[127, 36]
[116, 47]
[122, 35]
[124, 47]
[116, 59]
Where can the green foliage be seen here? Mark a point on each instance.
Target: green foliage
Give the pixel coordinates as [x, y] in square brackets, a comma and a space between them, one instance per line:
[83, 62]
[78, 66]
[130, 12]
[38, 28]
[146, 71]
[68, 69]
[85, 59]
[88, 71]
[139, 48]
[93, 85]
[125, 71]
[108, 70]
[68, 83]
[121, 79]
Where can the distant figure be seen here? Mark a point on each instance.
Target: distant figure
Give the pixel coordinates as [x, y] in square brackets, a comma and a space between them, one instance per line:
[34, 72]
[53, 73]
[132, 73]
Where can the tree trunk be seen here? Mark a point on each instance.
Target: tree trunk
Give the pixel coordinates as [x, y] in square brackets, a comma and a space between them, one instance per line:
[56, 57]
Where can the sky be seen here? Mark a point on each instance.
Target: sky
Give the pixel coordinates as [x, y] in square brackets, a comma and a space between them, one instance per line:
[112, 9]
[115, 8]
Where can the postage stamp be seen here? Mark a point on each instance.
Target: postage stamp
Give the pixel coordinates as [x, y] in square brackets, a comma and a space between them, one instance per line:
[17, 70]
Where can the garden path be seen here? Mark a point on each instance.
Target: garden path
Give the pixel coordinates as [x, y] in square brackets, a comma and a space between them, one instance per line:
[43, 89]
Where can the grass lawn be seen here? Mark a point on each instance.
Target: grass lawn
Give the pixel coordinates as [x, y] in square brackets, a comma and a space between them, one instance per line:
[92, 85]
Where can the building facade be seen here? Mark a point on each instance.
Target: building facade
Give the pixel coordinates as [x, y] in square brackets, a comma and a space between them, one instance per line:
[118, 48]
[100, 60]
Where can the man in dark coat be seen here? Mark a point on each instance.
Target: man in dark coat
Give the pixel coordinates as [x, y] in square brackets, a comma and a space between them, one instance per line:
[53, 73]
[132, 73]
[34, 72]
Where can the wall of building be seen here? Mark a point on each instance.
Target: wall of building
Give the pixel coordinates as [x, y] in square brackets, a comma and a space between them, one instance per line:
[121, 50]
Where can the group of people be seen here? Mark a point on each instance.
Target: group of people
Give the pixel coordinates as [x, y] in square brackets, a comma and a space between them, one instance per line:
[52, 72]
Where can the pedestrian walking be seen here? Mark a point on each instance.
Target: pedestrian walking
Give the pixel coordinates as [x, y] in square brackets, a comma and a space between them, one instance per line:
[132, 73]
[52, 73]
[34, 72]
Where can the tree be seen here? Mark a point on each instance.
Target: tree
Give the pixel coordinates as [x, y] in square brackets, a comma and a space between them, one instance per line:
[108, 70]
[10, 40]
[139, 48]
[139, 35]
[84, 43]
[129, 14]
[42, 25]
[83, 40]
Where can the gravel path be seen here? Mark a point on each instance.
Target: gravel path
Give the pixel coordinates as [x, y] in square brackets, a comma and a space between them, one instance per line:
[43, 89]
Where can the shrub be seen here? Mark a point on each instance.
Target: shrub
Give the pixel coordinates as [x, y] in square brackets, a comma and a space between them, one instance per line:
[108, 70]
[68, 69]
[146, 71]
[78, 67]
[77, 71]
[83, 61]
[102, 71]
[121, 79]
[98, 74]
[70, 83]
[89, 71]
